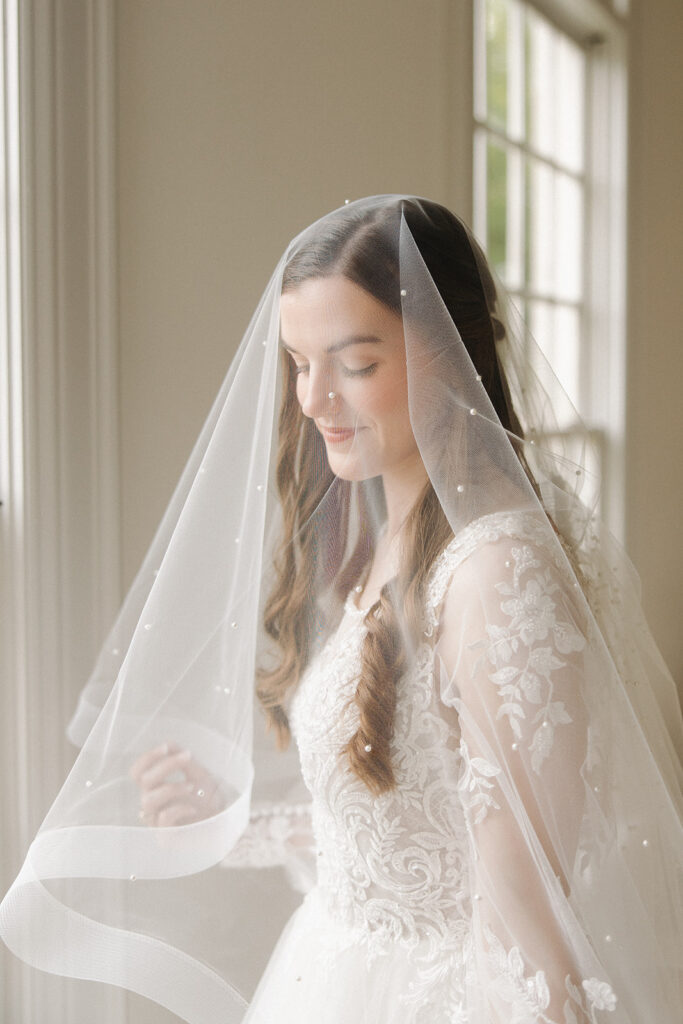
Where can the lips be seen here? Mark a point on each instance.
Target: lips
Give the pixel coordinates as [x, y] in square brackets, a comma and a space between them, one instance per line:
[337, 435]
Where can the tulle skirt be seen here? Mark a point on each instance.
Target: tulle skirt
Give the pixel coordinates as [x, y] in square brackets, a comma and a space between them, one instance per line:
[323, 972]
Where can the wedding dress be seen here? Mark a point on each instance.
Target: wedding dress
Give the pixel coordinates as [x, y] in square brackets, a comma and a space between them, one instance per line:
[385, 933]
[484, 823]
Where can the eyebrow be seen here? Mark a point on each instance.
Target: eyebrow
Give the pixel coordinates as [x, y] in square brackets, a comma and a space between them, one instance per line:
[352, 339]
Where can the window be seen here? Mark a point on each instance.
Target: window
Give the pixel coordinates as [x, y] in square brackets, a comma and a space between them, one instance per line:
[540, 98]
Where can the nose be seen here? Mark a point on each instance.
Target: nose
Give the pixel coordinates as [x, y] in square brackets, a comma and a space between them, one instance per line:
[315, 399]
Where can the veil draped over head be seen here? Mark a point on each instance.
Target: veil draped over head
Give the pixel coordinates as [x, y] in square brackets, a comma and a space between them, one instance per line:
[495, 808]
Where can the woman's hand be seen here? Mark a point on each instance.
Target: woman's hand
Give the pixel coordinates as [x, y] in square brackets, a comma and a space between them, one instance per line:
[175, 789]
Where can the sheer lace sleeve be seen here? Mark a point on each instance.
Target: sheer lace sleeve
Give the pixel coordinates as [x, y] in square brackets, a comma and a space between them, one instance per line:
[513, 657]
[278, 835]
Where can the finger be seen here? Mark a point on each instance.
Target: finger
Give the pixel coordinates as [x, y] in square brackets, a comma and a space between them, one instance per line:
[163, 767]
[196, 771]
[191, 768]
[177, 814]
[153, 800]
[150, 757]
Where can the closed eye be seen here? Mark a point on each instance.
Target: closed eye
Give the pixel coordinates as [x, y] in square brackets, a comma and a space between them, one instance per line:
[364, 372]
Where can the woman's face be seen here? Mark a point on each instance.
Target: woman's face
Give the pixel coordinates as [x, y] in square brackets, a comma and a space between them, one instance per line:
[344, 341]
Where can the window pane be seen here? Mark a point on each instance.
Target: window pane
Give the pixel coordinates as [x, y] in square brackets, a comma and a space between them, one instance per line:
[568, 237]
[554, 226]
[555, 83]
[570, 66]
[566, 355]
[540, 320]
[540, 255]
[496, 62]
[556, 331]
[496, 190]
[499, 218]
[540, 79]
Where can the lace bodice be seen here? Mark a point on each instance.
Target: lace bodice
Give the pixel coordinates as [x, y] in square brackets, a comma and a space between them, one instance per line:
[391, 866]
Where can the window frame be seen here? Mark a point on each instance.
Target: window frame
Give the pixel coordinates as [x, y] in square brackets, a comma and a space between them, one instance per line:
[600, 27]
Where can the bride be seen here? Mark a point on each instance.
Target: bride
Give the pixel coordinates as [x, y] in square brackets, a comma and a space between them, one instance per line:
[384, 526]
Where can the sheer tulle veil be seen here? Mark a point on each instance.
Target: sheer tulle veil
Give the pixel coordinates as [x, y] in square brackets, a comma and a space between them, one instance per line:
[565, 739]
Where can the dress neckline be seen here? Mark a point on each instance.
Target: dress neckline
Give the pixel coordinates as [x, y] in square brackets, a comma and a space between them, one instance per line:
[457, 542]
[350, 603]
[351, 606]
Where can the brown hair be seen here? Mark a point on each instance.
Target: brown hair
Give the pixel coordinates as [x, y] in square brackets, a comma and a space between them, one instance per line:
[362, 246]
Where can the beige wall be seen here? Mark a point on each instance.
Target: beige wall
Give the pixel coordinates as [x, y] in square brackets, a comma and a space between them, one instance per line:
[240, 122]
[655, 307]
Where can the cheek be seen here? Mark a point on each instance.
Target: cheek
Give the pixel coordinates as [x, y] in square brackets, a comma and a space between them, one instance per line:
[301, 387]
[390, 400]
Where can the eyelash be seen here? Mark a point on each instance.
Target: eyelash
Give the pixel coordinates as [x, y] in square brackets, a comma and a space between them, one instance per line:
[346, 372]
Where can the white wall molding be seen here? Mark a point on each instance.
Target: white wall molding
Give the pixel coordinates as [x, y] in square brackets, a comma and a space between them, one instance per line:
[62, 529]
[14, 819]
[103, 305]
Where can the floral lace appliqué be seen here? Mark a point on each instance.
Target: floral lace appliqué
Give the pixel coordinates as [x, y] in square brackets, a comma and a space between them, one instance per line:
[528, 997]
[474, 786]
[523, 663]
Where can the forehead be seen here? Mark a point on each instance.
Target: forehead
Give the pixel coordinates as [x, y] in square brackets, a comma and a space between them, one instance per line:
[324, 310]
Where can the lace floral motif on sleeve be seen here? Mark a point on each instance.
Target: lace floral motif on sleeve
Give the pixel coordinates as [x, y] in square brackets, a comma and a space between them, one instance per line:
[276, 834]
[523, 663]
[528, 997]
[474, 785]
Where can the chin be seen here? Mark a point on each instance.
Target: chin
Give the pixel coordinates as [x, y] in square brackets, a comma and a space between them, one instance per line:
[351, 473]
[346, 467]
